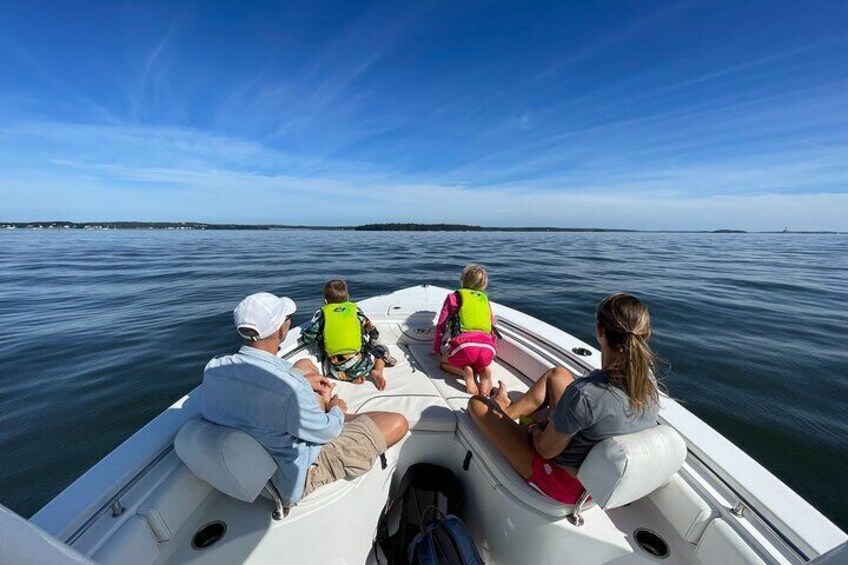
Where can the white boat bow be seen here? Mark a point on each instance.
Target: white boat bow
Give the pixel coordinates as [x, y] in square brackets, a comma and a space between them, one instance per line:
[142, 506]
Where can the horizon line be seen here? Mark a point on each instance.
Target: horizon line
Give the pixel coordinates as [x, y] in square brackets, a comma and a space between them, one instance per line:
[381, 226]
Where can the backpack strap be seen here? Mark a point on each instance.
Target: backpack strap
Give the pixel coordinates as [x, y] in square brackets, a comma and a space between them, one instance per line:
[383, 538]
[425, 545]
[452, 328]
[462, 541]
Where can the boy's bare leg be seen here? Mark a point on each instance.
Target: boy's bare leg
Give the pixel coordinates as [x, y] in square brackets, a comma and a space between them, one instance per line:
[377, 374]
[486, 381]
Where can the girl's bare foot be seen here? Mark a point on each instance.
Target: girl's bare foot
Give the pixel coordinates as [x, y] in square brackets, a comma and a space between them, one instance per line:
[358, 381]
[485, 385]
[470, 385]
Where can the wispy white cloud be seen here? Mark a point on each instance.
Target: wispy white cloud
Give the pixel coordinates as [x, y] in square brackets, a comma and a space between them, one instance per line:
[152, 85]
[189, 177]
[345, 128]
[62, 88]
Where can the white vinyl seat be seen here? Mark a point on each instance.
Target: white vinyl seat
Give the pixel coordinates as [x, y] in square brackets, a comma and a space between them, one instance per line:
[230, 460]
[452, 388]
[622, 469]
[408, 391]
[501, 471]
[617, 471]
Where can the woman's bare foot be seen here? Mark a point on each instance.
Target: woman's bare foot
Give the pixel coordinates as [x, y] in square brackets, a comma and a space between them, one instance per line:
[470, 385]
[499, 395]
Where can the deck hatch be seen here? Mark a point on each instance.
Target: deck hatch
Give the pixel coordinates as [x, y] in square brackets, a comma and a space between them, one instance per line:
[208, 535]
[651, 543]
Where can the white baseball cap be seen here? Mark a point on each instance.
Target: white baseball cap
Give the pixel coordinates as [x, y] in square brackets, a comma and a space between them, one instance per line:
[263, 313]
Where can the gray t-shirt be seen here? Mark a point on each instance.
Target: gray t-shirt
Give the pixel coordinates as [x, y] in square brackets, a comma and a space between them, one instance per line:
[591, 410]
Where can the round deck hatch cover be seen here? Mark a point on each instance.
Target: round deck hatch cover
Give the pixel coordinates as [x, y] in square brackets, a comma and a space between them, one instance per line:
[208, 535]
[651, 543]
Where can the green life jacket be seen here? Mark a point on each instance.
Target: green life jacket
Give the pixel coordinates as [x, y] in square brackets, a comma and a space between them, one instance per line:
[342, 330]
[475, 314]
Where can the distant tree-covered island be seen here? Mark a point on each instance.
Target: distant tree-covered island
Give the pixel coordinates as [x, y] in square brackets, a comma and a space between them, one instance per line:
[466, 227]
[418, 227]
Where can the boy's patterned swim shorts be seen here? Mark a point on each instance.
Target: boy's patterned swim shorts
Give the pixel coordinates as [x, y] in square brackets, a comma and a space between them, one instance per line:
[351, 367]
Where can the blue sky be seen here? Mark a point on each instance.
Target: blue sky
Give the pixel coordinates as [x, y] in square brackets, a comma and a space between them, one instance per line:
[647, 115]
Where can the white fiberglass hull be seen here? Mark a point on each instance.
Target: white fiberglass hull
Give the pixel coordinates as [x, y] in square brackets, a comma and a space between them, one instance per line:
[140, 505]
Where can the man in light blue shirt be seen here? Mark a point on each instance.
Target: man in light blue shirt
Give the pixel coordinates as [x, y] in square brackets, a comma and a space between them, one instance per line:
[277, 403]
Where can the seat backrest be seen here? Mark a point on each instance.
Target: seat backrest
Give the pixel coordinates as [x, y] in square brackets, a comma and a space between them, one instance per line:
[228, 459]
[625, 468]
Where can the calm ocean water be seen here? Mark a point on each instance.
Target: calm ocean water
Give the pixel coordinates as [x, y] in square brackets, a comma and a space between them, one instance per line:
[103, 330]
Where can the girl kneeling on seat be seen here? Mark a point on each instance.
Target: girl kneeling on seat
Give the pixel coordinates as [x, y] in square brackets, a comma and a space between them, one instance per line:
[465, 332]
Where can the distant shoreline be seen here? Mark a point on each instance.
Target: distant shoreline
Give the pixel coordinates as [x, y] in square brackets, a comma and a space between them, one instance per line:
[411, 227]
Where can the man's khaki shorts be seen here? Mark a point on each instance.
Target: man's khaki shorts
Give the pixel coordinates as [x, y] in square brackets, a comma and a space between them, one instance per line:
[349, 455]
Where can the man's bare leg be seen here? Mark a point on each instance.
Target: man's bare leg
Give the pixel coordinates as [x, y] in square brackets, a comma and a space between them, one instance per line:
[392, 425]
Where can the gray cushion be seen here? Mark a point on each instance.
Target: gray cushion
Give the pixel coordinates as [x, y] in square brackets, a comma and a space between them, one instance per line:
[228, 459]
[625, 468]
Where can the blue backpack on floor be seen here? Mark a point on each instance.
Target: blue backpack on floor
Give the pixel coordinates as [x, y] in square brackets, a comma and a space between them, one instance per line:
[419, 525]
[444, 540]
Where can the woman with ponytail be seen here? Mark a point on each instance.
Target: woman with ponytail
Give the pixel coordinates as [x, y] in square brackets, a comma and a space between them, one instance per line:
[620, 398]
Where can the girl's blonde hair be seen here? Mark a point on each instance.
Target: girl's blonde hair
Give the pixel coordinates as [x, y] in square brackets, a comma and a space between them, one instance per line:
[474, 277]
[626, 325]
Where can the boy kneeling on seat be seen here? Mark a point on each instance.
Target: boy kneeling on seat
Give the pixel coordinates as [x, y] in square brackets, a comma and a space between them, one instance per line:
[348, 339]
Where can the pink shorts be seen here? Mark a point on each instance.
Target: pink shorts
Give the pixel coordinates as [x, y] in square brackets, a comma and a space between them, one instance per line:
[471, 351]
[554, 481]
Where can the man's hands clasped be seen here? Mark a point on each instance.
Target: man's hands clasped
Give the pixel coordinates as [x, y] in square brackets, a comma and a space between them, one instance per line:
[336, 401]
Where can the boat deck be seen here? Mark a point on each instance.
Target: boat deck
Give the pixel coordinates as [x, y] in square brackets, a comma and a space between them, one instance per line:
[434, 402]
[162, 504]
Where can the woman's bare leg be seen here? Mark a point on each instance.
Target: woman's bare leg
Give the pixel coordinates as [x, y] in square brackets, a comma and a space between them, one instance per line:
[508, 437]
[546, 391]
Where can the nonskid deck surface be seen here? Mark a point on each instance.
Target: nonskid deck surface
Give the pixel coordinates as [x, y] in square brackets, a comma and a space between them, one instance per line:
[419, 389]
